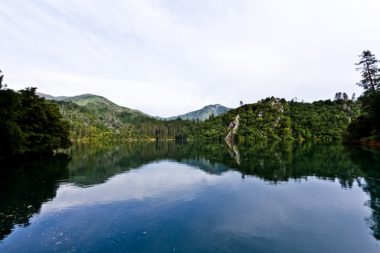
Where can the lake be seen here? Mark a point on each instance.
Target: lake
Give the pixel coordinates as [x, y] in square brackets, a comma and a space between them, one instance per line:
[168, 197]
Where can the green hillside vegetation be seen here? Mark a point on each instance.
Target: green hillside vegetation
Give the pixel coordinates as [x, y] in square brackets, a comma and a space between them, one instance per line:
[274, 119]
[322, 120]
[93, 117]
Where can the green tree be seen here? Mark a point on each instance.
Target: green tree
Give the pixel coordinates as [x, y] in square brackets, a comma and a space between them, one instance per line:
[367, 66]
[367, 126]
[30, 125]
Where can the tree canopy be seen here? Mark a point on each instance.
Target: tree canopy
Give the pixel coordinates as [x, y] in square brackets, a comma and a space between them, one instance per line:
[29, 125]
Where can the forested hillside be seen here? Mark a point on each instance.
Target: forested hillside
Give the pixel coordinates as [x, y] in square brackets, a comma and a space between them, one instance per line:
[93, 117]
[276, 119]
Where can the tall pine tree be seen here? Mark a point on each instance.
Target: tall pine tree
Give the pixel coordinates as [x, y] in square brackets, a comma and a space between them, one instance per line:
[369, 71]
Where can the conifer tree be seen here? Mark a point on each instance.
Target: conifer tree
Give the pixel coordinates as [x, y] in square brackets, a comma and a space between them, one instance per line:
[369, 71]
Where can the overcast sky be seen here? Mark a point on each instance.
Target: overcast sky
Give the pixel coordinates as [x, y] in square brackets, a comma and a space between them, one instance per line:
[168, 57]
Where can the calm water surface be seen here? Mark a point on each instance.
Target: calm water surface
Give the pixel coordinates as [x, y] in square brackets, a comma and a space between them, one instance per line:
[166, 197]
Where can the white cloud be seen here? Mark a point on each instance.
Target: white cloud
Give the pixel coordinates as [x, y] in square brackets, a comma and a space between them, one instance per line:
[164, 180]
[169, 57]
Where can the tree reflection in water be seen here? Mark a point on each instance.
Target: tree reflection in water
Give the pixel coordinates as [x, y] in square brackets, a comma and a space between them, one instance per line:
[24, 188]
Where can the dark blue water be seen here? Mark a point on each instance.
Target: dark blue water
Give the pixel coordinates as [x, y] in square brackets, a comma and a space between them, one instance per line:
[186, 198]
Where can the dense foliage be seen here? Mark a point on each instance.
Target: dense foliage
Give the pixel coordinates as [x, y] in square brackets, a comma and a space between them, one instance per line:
[30, 124]
[278, 120]
[322, 120]
[93, 117]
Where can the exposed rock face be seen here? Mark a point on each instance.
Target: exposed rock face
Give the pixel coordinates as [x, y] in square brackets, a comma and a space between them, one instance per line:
[230, 139]
[232, 130]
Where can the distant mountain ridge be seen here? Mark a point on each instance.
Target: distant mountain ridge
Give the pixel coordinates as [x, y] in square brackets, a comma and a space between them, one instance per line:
[203, 114]
[90, 100]
[50, 97]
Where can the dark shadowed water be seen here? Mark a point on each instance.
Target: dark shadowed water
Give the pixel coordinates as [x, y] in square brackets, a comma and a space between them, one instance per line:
[167, 197]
